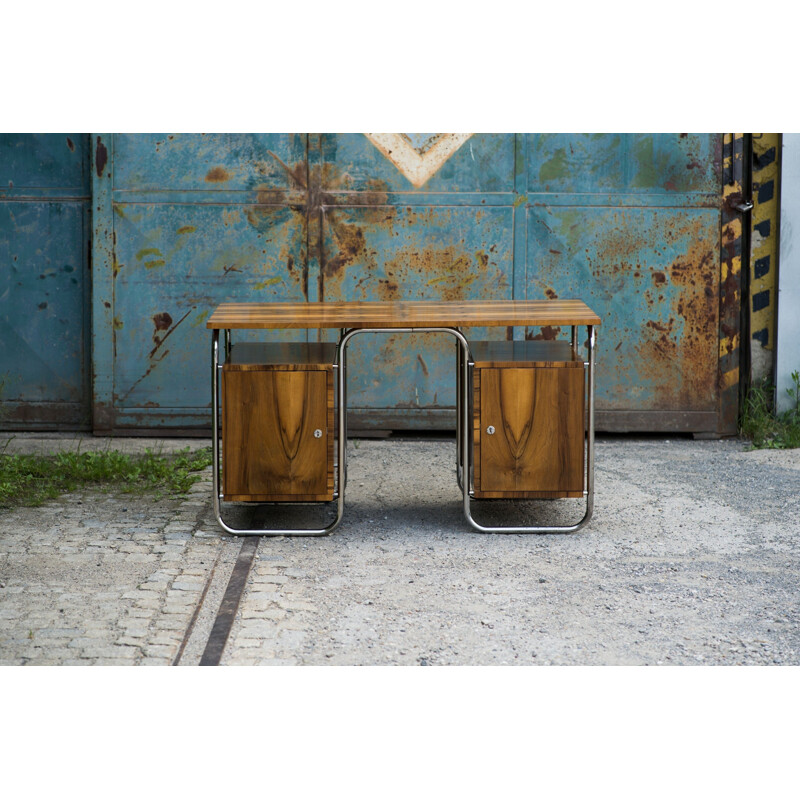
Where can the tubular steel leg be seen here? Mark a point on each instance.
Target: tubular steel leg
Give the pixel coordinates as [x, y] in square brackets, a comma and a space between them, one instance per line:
[459, 421]
[215, 388]
[589, 464]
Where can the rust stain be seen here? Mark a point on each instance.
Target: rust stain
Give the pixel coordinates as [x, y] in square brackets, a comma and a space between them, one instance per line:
[547, 334]
[226, 269]
[350, 243]
[729, 203]
[423, 365]
[162, 321]
[187, 229]
[70, 144]
[445, 273]
[218, 175]
[376, 193]
[328, 187]
[296, 174]
[101, 157]
[550, 293]
[691, 349]
[388, 289]
[658, 326]
[674, 352]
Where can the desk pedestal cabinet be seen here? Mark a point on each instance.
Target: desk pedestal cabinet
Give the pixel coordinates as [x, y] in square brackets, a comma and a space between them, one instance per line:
[528, 420]
[277, 422]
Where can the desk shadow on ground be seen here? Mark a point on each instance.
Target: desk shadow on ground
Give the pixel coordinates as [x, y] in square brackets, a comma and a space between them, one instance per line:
[275, 516]
[396, 486]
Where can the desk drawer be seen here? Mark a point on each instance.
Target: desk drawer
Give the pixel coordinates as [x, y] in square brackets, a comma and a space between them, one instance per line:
[278, 424]
[528, 420]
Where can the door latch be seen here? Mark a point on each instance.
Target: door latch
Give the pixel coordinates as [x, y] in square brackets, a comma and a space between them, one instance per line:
[744, 205]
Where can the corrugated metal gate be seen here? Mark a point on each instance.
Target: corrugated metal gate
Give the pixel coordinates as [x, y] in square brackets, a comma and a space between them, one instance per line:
[634, 224]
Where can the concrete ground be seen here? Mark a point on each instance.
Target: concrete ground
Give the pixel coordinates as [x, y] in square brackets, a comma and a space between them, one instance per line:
[692, 557]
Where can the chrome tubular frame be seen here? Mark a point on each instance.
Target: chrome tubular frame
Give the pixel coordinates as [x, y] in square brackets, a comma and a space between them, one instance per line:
[463, 434]
[589, 492]
[459, 420]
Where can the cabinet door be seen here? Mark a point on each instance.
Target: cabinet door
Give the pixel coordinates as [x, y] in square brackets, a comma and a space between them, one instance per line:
[270, 451]
[536, 415]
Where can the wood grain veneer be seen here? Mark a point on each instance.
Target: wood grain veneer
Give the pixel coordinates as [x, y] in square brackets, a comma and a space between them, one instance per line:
[537, 450]
[403, 313]
[271, 406]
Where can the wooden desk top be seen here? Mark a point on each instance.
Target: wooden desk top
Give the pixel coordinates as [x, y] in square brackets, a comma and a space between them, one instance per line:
[403, 314]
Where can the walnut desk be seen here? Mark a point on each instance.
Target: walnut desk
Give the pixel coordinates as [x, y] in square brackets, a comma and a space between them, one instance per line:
[522, 430]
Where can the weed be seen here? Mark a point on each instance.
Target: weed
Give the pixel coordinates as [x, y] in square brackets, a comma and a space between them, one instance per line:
[32, 479]
[763, 427]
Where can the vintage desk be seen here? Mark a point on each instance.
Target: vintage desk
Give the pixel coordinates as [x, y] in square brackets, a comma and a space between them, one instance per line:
[521, 406]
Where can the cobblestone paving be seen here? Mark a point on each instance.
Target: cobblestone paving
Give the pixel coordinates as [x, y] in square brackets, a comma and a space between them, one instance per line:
[95, 578]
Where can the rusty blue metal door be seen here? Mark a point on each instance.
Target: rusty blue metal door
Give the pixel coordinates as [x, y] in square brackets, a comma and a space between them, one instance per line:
[425, 216]
[44, 281]
[631, 223]
[184, 222]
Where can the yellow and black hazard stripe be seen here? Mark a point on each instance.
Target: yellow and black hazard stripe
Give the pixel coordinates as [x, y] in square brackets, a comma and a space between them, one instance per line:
[763, 248]
[730, 281]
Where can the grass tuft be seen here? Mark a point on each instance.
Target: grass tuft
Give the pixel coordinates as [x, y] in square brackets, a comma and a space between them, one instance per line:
[766, 429]
[30, 480]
